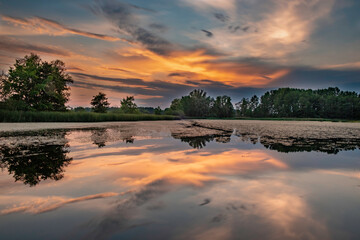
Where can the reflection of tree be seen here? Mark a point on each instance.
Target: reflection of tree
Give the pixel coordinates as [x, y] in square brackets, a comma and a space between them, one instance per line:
[99, 137]
[280, 144]
[292, 144]
[223, 139]
[200, 141]
[34, 163]
[128, 140]
[330, 146]
[197, 142]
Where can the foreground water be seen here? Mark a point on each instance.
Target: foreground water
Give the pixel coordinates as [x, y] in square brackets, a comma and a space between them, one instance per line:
[165, 183]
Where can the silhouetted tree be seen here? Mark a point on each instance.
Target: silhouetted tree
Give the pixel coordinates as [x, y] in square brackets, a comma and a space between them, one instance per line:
[243, 107]
[33, 84]
[79, 109]
[223, 107]
[176, 104]
[100, 103]
[197, 104]
[128, 105]
[158, 111]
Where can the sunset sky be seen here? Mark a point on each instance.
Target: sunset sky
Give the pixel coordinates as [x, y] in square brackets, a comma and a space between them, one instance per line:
[158, 50]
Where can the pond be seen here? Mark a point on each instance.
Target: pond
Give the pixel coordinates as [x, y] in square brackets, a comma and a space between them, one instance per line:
[182, 180]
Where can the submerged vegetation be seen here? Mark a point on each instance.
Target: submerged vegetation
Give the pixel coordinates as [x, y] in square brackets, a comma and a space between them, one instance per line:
[37, 91]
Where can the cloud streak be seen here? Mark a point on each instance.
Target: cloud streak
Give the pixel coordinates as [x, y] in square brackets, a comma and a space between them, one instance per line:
[13, 45]
[45, 25]
[47, 205]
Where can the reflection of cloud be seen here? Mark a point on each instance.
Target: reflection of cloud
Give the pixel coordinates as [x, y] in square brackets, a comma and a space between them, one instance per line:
[267, 208]
[44, 25]
[282, 207]
[119, 218]
[195, 169]
[344, 173]
[52, 203]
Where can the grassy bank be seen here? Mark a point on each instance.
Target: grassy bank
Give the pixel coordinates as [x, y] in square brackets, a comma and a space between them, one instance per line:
[19, 116]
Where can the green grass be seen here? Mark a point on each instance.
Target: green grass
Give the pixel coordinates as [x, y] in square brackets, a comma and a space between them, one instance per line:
[20, 116]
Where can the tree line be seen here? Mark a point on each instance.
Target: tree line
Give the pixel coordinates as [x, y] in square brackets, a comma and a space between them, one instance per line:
[301, 103]
[36, 85]
[199, 104]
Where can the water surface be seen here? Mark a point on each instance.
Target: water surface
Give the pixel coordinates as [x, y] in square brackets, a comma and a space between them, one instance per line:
[122, 183]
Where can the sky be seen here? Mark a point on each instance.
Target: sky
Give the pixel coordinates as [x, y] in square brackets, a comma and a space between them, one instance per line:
[158, 50]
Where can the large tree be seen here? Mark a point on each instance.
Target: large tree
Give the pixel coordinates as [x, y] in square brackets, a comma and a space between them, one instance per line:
[128, 105]
[223, 107]
[36, 85]
[197, 104]
[100, 103]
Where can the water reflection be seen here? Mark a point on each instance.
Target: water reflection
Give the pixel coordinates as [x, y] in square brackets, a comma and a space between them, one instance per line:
[32, 163]
[286, 145]
[159, 188]
[200, 141]
[292, 144]
[99, 137]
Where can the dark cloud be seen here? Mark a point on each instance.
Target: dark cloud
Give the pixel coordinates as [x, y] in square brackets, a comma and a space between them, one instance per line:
[158, 27]
[208, 33]
[266, 77]
[128, 81]
[74, 68]
[142, 8]
[183, 74]
[121, 15]
[152, 42]
[176, 75]
[246, 28]
[119, 69]
[234, 29]
[12, 45]
[221, 17]
[207, 50]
